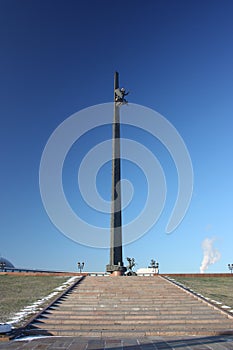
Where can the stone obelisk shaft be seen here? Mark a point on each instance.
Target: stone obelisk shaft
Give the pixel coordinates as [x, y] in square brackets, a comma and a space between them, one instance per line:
[116, 261]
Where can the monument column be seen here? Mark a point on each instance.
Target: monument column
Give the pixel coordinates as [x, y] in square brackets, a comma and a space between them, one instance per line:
[116, 264]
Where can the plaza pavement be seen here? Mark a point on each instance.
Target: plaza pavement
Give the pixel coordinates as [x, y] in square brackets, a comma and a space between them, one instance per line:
[145, 343]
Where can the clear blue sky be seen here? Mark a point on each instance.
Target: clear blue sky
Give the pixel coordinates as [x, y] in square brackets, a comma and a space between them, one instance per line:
[58, 57]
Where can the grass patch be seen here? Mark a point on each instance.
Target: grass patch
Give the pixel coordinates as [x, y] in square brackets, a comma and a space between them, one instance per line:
[216, 288]
[17, 292]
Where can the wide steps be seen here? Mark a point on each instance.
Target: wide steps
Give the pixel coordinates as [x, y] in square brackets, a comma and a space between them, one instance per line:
[128, 306]
[133, 317]
[131, 333]
[135, 310]
[134, 322]
[131, 326]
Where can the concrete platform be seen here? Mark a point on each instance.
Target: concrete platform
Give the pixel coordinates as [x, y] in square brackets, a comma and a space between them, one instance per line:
[145, 343]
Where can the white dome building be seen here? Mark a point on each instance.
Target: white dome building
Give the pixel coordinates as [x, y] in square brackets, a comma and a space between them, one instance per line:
[5, 264]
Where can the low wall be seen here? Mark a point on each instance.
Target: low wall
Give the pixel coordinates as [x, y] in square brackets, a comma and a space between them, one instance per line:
[38, 273]
[201, 275]
[23, 273]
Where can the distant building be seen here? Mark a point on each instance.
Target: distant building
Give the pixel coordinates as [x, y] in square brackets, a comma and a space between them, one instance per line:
[5, 264]
[147, 270]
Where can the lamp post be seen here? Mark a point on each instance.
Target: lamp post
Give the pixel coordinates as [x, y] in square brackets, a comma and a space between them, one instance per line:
[230, 267]
[154, 265]
[80, 266]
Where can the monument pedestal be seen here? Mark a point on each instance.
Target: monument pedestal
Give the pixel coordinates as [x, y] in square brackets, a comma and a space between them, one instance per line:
[117, 273]
[116, 270]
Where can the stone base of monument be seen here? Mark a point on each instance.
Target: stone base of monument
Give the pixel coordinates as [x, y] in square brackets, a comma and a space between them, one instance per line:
[116, 270]
[116, 273]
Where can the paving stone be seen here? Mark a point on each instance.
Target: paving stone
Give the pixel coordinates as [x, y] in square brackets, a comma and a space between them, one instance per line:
[54, 343]
[114, 344]
[95, 344]
[11, 345]
[77, 346]
[34, 345]
[61, 344]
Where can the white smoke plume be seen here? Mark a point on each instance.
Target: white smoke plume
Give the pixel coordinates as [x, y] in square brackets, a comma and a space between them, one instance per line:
[211, 254]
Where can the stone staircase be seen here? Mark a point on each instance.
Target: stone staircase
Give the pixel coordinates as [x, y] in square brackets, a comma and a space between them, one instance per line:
[130, 306]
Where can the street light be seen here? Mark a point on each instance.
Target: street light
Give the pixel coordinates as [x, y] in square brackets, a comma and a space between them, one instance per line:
[230, 267]
[80, 266]
[154, 265]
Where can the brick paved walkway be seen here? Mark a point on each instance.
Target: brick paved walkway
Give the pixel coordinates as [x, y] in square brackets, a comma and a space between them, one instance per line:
[146, 343]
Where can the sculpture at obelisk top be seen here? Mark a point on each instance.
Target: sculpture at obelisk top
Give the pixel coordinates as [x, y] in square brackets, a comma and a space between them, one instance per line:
[116, 265]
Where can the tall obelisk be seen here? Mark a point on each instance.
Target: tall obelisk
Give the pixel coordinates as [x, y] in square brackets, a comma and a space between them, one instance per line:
[116, 265]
